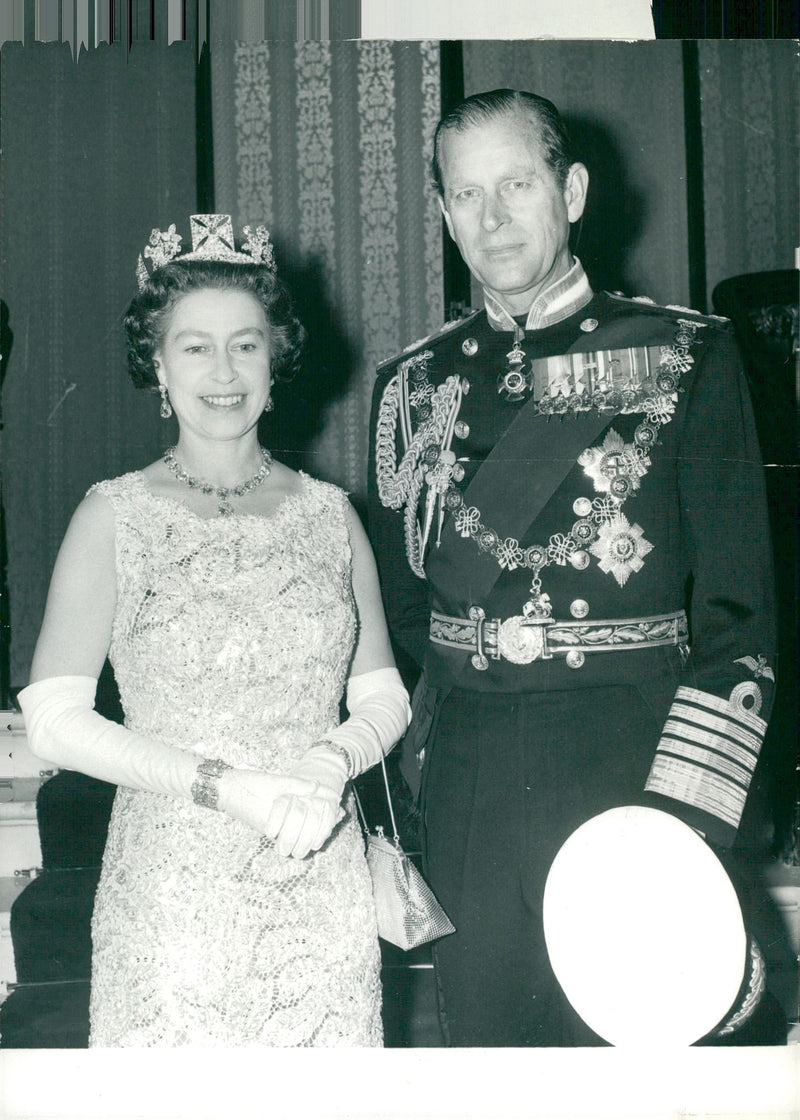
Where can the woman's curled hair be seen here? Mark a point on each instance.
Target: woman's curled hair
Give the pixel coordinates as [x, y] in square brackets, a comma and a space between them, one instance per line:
[147, 316]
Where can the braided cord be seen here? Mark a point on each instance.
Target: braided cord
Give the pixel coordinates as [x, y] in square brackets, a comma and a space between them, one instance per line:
[401, 484]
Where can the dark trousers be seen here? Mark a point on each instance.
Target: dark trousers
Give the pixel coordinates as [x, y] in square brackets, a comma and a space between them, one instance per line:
[507, 778]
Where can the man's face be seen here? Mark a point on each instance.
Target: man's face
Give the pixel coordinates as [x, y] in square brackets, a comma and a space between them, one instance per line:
[505, 209]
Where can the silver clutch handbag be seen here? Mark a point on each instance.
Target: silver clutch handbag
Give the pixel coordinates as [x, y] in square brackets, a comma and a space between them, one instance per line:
[407, 910]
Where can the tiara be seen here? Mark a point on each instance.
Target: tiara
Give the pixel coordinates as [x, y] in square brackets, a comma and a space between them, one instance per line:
[212, 240]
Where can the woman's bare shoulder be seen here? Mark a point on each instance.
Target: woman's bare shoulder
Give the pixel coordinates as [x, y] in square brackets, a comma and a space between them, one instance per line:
[94, 514]
[285, 478]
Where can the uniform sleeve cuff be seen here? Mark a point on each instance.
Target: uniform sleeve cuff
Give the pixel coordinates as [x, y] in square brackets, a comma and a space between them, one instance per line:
[708, 752]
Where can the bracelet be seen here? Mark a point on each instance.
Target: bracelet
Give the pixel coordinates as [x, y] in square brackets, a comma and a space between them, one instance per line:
[343, 753]
[205, 790]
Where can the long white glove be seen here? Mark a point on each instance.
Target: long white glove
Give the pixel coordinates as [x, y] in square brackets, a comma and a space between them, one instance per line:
[63, 728]
[300, 825]
[379, 714]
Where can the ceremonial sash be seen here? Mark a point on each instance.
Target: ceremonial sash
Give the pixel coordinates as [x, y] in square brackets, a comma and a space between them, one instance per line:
[511, 488]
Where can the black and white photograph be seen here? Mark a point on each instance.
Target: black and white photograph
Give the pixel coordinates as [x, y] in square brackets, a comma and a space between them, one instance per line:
[398, 560]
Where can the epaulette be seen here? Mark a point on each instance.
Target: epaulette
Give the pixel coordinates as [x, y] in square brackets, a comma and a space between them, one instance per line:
[422, 343]
[672, 309]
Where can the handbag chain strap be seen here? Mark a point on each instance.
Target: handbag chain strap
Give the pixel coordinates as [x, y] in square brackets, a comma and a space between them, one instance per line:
[389, 800]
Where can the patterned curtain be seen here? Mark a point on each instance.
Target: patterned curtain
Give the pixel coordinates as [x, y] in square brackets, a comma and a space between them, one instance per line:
[624, 106]
[750, 155]
[95, 154]
[327, 143]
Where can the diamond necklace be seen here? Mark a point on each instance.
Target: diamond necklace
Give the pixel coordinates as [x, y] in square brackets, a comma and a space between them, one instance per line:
[224, 493]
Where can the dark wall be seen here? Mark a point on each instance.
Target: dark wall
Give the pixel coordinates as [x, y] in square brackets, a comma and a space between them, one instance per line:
[95, 153]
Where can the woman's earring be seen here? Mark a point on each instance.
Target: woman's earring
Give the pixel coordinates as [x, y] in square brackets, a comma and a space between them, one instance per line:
[268, 407]
[166, 407]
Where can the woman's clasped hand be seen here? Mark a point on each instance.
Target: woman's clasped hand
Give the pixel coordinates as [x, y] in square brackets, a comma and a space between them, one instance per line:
[298, 814]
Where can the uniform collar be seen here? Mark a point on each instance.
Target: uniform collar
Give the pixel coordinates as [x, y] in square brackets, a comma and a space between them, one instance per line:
[557, 302]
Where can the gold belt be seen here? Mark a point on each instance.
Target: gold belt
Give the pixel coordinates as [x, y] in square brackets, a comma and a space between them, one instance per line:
[522, 639]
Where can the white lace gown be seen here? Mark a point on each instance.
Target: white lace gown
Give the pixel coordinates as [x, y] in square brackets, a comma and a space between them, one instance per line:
[232, 638]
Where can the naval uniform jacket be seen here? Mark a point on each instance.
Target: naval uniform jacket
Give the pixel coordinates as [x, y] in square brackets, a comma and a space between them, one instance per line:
[637, 452]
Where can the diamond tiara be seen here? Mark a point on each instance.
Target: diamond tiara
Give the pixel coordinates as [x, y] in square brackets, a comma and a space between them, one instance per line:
[212, 240]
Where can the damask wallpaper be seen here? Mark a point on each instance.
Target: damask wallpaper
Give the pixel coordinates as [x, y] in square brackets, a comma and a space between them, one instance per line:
[327, 143]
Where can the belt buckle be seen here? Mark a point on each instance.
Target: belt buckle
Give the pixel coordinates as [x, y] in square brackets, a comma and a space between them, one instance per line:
[522, 640]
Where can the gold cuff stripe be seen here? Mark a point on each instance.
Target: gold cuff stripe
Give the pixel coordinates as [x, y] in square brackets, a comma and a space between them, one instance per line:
[743, 753]
[703, 702]
[674, 777]
[719, 724]
[709, 760]
[707, 754]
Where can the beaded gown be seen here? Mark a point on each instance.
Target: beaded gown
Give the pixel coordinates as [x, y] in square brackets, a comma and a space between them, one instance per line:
[232, 638]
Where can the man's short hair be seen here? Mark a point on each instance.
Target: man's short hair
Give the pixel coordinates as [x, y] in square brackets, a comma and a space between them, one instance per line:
[482, 107]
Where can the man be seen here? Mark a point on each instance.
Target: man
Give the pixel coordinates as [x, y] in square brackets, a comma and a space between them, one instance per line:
[573, 480]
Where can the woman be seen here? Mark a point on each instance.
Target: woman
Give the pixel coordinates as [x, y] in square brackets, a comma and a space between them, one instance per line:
[235, 599]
